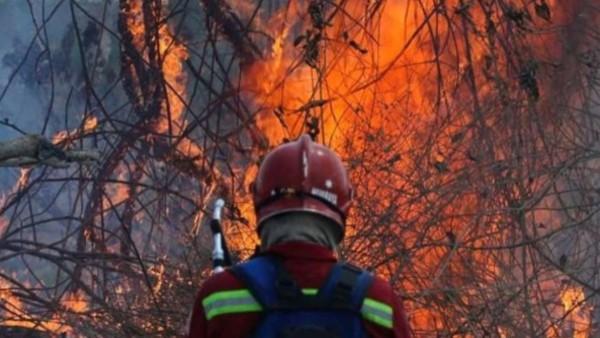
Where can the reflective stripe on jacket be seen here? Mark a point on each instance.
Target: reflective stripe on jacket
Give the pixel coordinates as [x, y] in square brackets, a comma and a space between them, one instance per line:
[224, 308]
[242, 301]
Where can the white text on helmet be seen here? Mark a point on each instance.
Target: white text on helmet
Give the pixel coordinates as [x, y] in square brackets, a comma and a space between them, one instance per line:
[328, 196]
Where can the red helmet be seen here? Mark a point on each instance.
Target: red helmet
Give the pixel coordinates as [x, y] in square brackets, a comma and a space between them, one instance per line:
[302, 176]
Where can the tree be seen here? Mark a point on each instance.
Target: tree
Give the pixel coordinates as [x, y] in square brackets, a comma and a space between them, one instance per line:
[470, 130]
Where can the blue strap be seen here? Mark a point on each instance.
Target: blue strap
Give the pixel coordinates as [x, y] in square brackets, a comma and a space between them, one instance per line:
[258, 275]
[361, 288]
[345, 288]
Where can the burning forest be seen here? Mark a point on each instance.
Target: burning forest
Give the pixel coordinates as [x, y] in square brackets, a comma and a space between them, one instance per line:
[470, 128]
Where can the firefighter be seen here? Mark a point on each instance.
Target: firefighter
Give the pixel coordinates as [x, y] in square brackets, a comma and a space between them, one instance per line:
[295, 287]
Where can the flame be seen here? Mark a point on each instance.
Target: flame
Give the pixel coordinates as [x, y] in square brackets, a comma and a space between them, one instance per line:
[577, 312]
[117, 192]
[357, 84]
[174, 55]
[75, 302]
[88, 125]
[60, 137]
[24, 175]
[158, 271]
[22, 181]
[377, 80]
[14, 313]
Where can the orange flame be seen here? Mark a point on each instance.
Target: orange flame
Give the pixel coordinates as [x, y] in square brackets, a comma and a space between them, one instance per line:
[89, 124]
[117, 192]
[390, 86]
[76, 302]
[174, 55]
[577, 312]
[158, 272]
[15, 314]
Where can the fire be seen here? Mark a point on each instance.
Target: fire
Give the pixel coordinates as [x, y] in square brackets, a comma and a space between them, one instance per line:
[379, 85]
[89, 125]
[24, 175]
[174, 55]
[60, 137]
[158, 271]
[14, 313]
[400, 89]
[75, 302]
[117, 192]
[577, 312]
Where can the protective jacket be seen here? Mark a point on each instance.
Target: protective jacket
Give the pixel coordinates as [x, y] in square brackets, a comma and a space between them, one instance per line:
[215, 315]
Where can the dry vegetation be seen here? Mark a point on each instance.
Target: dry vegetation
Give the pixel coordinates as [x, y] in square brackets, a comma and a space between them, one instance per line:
[470, 129]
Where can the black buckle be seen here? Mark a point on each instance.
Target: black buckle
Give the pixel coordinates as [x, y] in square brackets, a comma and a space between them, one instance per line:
[287, 289]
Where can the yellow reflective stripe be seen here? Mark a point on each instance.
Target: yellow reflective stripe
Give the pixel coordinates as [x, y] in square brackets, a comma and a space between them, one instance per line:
[242, 301]
[378, 313]
[231, 307]
[240, 293]
[310, 292]
[235, 301]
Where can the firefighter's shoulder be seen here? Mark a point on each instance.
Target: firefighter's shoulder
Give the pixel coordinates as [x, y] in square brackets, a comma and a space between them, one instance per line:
[383, 308]
[222, 293]
[221, 281]
[378, 305]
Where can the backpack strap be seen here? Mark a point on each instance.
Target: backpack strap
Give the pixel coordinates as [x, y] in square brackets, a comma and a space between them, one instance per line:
[258, 275]
[346, 287]
[275, 289]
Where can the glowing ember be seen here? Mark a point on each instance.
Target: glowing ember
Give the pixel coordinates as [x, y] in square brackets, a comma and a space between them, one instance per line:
[60, 137]
[158, 272]
[90, 124]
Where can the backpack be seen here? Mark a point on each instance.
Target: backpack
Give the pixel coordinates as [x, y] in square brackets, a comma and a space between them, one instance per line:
[332, 311]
